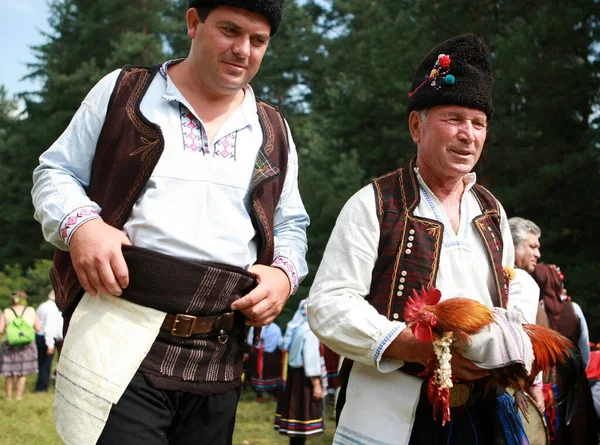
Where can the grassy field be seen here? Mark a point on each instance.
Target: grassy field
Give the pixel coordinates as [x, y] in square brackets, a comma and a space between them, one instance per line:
[29, 421]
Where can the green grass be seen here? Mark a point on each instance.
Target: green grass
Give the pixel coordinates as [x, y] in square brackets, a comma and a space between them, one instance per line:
[29, 421]
[254, 425]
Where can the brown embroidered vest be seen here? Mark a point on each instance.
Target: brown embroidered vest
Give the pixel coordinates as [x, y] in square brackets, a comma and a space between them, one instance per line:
[409, 246]
[128, 149]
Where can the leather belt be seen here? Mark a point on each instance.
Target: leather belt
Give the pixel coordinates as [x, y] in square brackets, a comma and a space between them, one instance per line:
[466, 394]
[185, 325]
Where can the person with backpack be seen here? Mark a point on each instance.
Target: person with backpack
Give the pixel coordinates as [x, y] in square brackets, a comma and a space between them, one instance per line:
[18, 353]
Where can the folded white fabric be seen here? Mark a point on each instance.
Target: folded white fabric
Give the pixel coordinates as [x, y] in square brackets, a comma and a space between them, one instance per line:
[107, 341]
[379, 409]
[503, 343]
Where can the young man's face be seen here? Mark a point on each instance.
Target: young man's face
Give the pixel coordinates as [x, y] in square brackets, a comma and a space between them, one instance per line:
[450, 139]
[527, 253]
[228, 47]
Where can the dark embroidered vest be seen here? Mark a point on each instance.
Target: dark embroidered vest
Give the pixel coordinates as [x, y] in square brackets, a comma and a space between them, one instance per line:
[409, 246]
[128, 149]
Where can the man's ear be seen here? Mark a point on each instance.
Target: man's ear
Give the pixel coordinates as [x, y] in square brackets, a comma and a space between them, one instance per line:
[414, 125]
[192, 19]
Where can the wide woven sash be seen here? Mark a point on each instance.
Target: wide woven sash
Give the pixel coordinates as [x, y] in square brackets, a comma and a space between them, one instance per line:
[202, 363]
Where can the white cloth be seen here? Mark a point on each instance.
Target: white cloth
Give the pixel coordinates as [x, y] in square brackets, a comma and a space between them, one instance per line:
[375, 395]
[342, 318]
[108, 339]
[524, 296]
[583, 343]
[504, 342]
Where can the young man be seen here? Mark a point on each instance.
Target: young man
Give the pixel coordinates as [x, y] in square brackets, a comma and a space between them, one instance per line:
[163, 197]
[427, 224]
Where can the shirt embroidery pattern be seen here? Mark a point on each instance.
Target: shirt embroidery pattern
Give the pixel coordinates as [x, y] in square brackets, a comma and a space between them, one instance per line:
[74, 220]
[288, 267]
[226, 146]
[196, 139]
[194, 136]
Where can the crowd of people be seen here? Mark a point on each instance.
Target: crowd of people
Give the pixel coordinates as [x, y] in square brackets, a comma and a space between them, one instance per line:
[172, 200]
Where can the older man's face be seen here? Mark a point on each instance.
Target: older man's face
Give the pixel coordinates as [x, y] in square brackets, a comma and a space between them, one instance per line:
[450, 140]
[527, 253]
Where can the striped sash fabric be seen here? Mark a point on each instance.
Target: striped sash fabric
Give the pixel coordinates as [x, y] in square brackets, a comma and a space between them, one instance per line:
[199, 364]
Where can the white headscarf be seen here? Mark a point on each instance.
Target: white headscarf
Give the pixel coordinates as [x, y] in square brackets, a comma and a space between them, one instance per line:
[300, 320]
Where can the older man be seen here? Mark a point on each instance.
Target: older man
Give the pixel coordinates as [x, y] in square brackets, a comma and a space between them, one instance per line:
[163, 197]
[427, 224]
[526, 237]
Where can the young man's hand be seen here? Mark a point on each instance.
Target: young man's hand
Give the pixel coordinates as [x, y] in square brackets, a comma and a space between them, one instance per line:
[266, 300]
[95, 249]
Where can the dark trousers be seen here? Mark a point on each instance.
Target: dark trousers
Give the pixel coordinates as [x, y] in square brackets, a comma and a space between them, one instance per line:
[44, 364]
[149, 416]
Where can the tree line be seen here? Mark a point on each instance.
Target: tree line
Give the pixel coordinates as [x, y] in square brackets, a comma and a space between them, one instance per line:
[340, 70]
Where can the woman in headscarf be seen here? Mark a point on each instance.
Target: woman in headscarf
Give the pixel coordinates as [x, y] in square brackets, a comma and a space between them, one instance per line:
[300, 408]
[566, 317]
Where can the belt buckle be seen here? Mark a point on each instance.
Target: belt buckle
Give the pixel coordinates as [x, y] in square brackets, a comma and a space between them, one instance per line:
[175, 328]
[459, 394]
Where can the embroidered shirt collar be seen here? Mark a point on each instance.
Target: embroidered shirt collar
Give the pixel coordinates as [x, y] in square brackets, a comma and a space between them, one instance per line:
[469, 181]
[247, 108]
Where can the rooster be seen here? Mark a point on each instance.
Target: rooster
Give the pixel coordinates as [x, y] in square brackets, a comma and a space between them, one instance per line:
[454, 321]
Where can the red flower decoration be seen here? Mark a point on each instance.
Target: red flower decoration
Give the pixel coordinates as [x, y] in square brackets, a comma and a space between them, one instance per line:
[444, 60]
[418, 316]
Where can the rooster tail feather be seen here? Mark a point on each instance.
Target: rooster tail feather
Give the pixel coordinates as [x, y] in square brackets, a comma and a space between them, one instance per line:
[549, 347]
